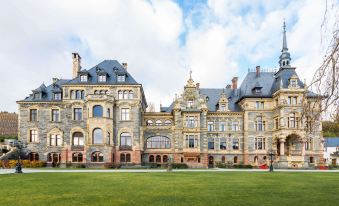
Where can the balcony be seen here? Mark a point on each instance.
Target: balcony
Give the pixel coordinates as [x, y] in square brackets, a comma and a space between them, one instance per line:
[77, 148]
[125, 148]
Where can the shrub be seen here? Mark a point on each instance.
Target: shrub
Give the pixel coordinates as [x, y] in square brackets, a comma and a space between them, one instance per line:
[151, 165]
[179, 166]
[112, 166]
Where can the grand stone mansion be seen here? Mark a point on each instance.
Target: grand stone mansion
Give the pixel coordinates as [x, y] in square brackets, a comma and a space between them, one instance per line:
[99, 117]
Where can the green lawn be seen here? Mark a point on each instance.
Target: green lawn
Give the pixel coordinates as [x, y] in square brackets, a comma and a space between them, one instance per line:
[184, 188]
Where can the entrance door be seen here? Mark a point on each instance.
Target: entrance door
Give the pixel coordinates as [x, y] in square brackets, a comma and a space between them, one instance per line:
[210, 161]
[334, 162]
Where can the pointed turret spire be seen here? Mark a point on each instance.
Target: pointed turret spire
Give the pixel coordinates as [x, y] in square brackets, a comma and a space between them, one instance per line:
[285, 58]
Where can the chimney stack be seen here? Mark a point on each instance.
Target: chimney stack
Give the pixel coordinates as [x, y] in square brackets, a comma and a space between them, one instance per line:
[198, 85]
[235, 83]
[124, 64]
[257, 69]
[76, 64]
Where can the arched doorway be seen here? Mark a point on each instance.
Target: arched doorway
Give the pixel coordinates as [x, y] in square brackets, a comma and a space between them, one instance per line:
[210, 161]
[293, 145]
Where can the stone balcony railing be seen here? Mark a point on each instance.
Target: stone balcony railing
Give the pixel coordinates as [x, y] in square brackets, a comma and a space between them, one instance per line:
[77, 148]
[125, 148]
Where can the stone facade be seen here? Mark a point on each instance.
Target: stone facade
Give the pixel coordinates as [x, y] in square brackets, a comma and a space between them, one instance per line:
[99, 117]
[8, 124]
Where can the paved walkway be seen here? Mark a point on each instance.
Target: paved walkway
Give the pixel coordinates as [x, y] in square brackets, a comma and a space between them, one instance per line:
[27, 170]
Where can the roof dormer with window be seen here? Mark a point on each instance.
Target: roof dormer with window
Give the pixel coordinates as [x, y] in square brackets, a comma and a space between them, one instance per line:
[222, 105]
[293, 82]
[39, 92]
[102, 75]
[83, 76]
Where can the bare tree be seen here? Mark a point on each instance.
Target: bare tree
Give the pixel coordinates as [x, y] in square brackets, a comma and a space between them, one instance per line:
[323, 91]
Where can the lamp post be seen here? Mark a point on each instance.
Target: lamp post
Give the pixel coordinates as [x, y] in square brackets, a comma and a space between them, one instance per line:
[271, 154]
[18, 166]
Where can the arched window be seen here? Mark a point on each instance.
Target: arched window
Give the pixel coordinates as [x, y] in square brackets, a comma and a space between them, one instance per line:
[151, 158]
[223, 159]
[165, 159]
[77, 157]
[78, 94]
[97, 157]
[125, 139]
[108, 113]
[130, 94]
[235, 160]
[97, 136]
[168, 122]
[53, 157]
[125, 94]
[149, 122]
[125, 157]
[78, 138]
[158, 123]
[158, 158]
[158, 142]
[33, 156]
[72, 95]
[97, 111]
[96, 92]
[120, 95]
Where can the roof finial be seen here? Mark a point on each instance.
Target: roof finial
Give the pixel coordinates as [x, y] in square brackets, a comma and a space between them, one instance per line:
[284, 59]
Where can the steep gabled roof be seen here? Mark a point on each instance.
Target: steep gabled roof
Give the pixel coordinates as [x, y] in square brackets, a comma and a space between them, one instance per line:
[110, 67]
[48, 91]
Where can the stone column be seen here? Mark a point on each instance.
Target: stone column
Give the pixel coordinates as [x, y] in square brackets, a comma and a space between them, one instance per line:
[282, 146]
[303, 147]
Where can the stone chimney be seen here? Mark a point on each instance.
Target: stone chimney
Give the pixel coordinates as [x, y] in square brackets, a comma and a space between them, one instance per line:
[198, 85]
[235, 83]
[125, 65]
[76, 64]
[257, 70]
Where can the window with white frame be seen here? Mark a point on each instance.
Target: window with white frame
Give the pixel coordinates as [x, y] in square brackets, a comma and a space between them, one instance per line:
[235, 144]
[33, 115]
[223, 144]
[55, 140]
[210, 126]
[57, 96]
[259, 143]
[190, 103]
[191, 121]
[235, 126]
[78, 139]
[259, 105]
[125, 139]
[223, 107]
[121, 78]
[191, 141]
[125, 114]
[55, 115]
[222, 126]
[260, 124]
[308, 144]
[294, 83]
[292, 100]
[293, 121]
[77, 114]
[102, 78]
[120, 94]
[130, 94]
[83, 78]
[33, 136]
[158, 122]
[210, 143]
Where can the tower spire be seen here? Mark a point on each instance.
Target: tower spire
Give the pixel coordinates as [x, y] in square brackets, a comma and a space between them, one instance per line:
[285, 57]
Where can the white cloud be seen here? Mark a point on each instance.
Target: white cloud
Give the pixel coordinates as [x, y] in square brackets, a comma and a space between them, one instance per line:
[37, 38]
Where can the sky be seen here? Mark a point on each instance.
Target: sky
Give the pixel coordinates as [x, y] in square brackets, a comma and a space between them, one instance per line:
[161, 40]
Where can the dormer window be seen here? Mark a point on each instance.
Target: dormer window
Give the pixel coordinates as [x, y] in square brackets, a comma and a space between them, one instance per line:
[190, 103]
[293, 83]
[57, 96]
[121, 78]
[102, 78]
[83, 78]
[223, 107]
[36, 95]
[257, 90]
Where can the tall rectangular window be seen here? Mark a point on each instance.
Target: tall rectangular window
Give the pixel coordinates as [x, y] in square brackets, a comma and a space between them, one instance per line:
[125, 114]
[259, 105]
[33, 115]
[223, 107]
[190, 103]
[191, 122]
[102, 78]
[276, 123]
[259, 143]
[55, 115]
[33, 136]
[260, 124]
[191, 141]
[210, 126]
[235, 126]
[57, 96]
[223, 144]
[222, 126]
[78, 114]
[235, 143]
[55, 140]
[210, 143]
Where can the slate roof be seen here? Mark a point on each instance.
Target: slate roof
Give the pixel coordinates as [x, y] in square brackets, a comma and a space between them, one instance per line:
[331, 141]
[110, 67]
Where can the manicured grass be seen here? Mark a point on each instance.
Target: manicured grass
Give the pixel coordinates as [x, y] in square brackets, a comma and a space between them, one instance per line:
[184, 188]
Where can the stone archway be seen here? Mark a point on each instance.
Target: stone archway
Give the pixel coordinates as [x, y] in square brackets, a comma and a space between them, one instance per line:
[293, 145]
